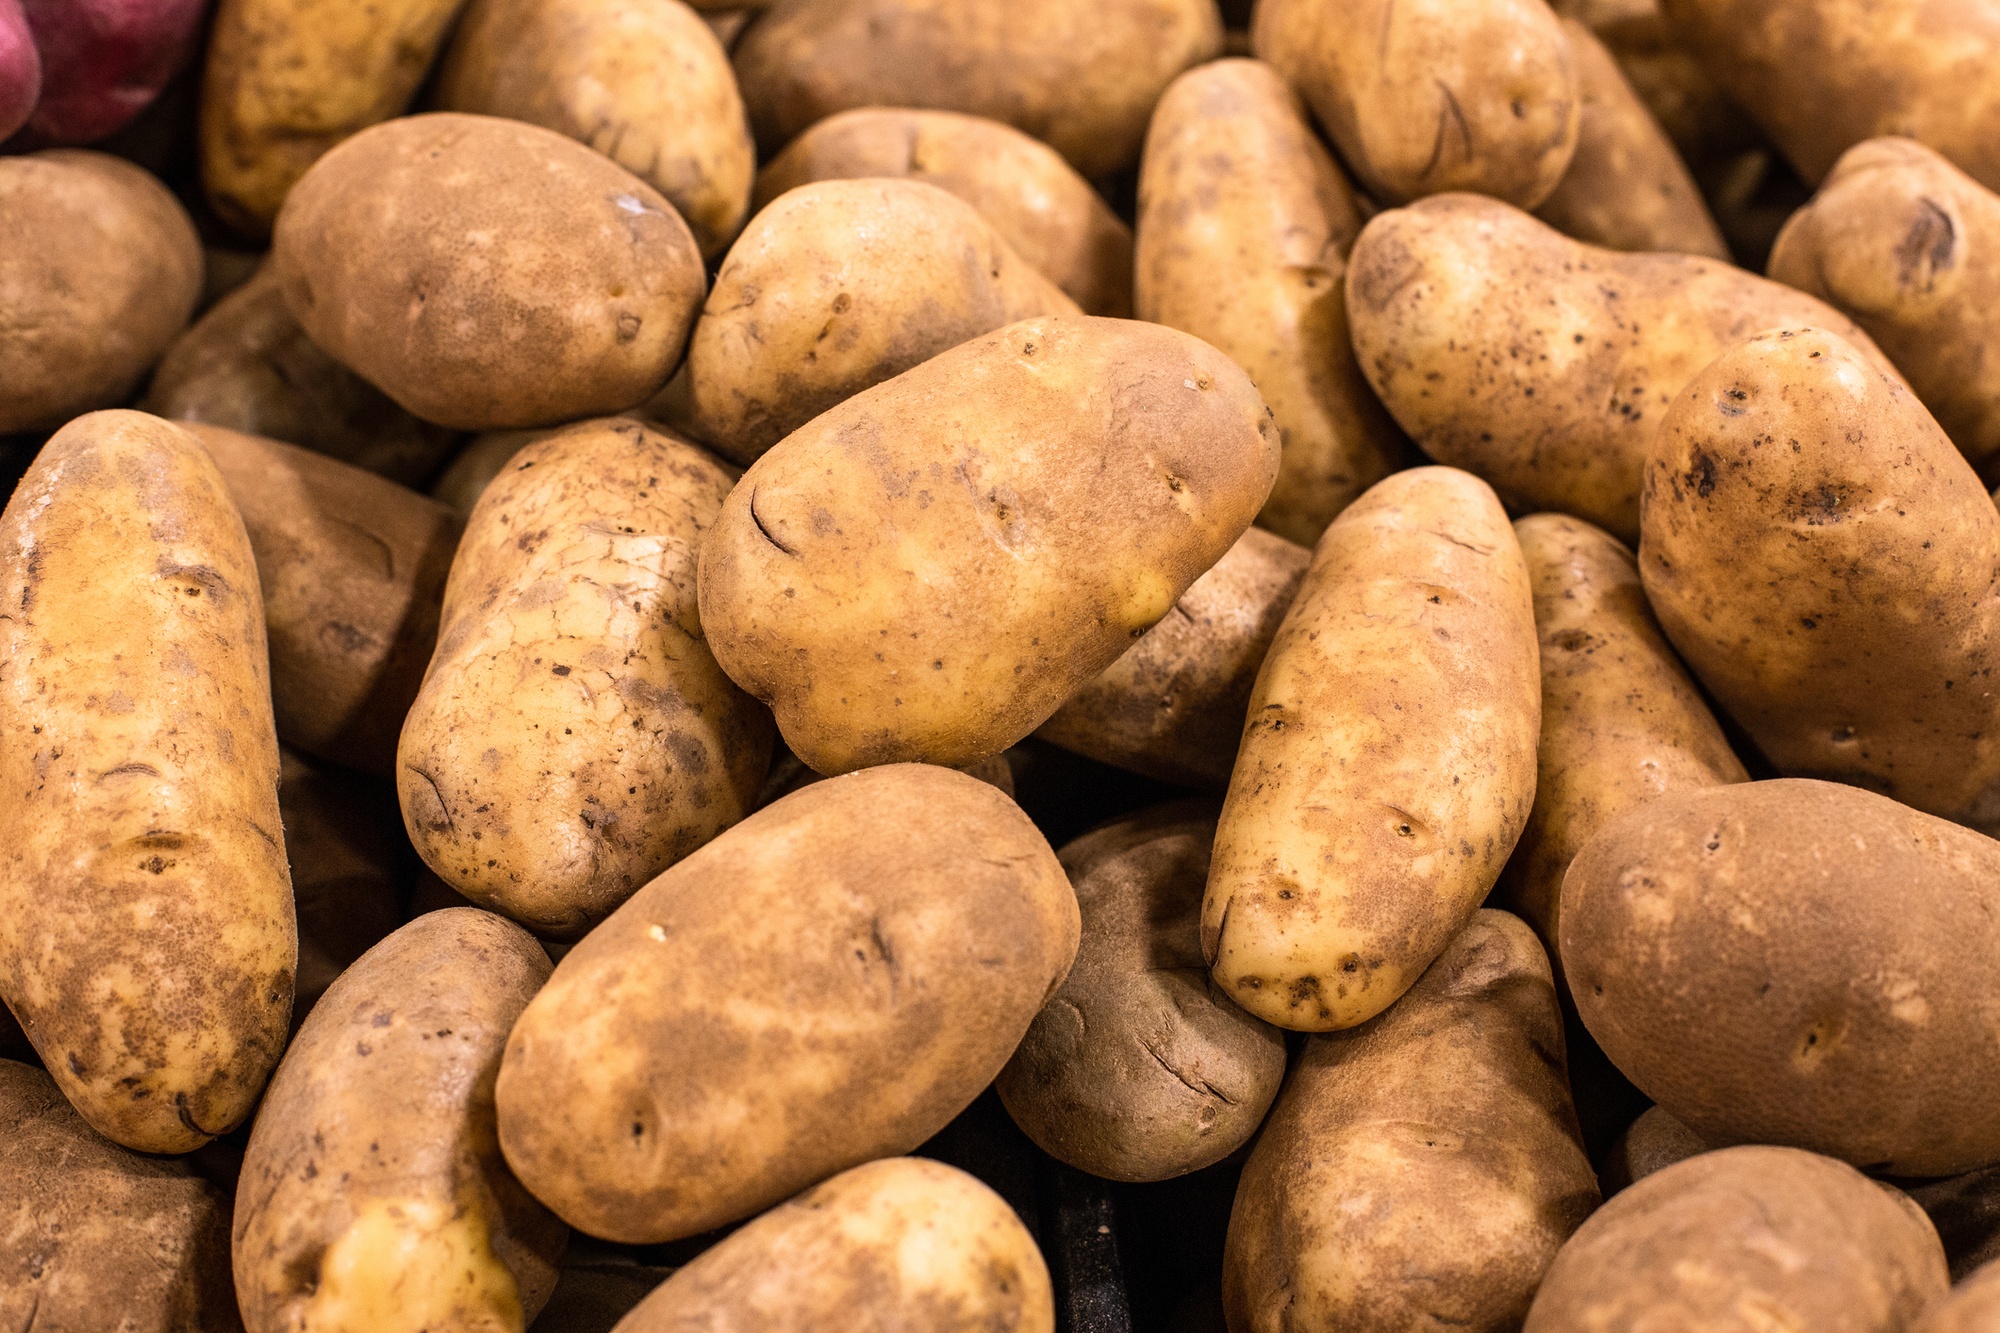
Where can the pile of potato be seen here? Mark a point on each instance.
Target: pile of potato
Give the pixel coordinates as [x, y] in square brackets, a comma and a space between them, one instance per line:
[558, 543]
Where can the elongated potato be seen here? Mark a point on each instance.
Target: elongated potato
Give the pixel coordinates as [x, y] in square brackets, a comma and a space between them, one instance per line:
[343, 841]
[1388, 760]
[373, 1194]
[829, 982]
[147, 942]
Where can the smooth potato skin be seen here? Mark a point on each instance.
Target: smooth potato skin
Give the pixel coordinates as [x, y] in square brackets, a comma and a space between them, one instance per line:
[20, 69]
[147, 942]
[1973, 1306]
[827, 983]
[1388, 757]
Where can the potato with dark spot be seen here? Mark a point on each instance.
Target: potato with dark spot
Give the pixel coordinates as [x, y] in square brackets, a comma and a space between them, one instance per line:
[1653, 1142]
[343, 839]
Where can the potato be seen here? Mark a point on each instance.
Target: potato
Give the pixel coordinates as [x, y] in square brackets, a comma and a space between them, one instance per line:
[104, 61]
[1838, 595]
[574, 737]
[1035, 200]
[983, 535]
[20, 69]
[1743, 1241]
[1539, 363]
[1388, 760]
[99, 1238]
[891, 1245]
[829, 982]
[1244, 227]
[1080, 79]
[1706, 127]
[147, 942]
[1421, 1171]
[100, 272]
[373, 1195]
[644, 82]
[1653, 1142]
[1973, 1306]
[486, 273]
[1172, 707]
[343, 836]
[1443, 95]
[484, 457]
[836, 287]
[1782, 962]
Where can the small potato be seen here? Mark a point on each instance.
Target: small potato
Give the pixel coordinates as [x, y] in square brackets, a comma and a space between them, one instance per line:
[1745, 1241]
[373, 1195]
[104, 61]
[1653, 1142]
[343, 836]
[574, 737]
[829, 982]
[1235, 183]
[99, 272]
[1388, 759]
[893, 1245]
[147, 942]
[484, 457]
[485, 273]
[1420, 1172]
[1051, 215]
[1973, 1306]
[20, 69]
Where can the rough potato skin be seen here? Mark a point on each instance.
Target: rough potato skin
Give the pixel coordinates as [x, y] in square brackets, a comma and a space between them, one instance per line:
[1780, 962]
[574, 736]
[1744, 1241]
[1172, 707]
[96, 1238]
[1052, 216]
[891, 1246]
[487, 273]
[1082, 79]
[99, 273]
[1973, 1306]
[484, 457]
[147, 942]
[1423, 1170]
[373, 1194]
[1839, 594]
[1388, 757]
[829, 982]
[931, 568]
[1244, 228]
[1653, 1142]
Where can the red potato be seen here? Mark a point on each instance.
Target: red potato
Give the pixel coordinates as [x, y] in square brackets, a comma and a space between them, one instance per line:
[20, 69]
[104, 61]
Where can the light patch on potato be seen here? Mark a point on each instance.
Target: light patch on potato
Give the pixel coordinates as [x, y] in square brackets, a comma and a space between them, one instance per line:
[412, 1264]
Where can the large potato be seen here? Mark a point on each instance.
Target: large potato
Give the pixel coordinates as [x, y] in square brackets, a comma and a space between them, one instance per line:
[343, 840]
[147, 942]
[1388, 760]
[487, 273]
[373, 1195]
[829, 982]
[99, 272]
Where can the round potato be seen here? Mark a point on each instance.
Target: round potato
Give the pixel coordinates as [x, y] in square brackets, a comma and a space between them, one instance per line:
[1973, 1306]
[343, 840]
[1653, 1142]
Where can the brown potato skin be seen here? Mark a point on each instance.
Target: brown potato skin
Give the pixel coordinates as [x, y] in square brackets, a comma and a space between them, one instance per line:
[101, 270]
[1052, 216]
[1745, 1240]
[827, 983]
[344, 842]
[1779, 962]
[1973, 1306]
[1421, 1170]
[484, 457]
[487, 273]
[1653, 1142]
[574, 737]
[141, 764]
[1706, 127]
[1235, 182]
[385, 1100]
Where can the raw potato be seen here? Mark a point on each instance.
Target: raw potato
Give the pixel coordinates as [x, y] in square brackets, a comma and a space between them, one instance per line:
[1439, 95]
[1136, 1070]
[574, 737]
[887, 1246]
[343, 838]
[1972, 1307]
[829, 982]
[99, 273]
[1082, 79]
[486, 273]
[94, 1237]
[1839, 595]
[373, 1194]
[1744, 1241]
[1388, 760]
[147, 942]
[20, 69]
[483, 458]
[1422, 1171]
[1244, 227]
[1796, 962]
[103, 61]
[1653, 1142]
[1707, 128]
[838, 286]
[1035, 200]
[930, 569]
[1540, 363]
[644, 82]
[1172, 707]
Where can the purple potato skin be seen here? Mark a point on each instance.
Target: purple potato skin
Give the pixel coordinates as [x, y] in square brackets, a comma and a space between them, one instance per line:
[103, 62]
[20, 69]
